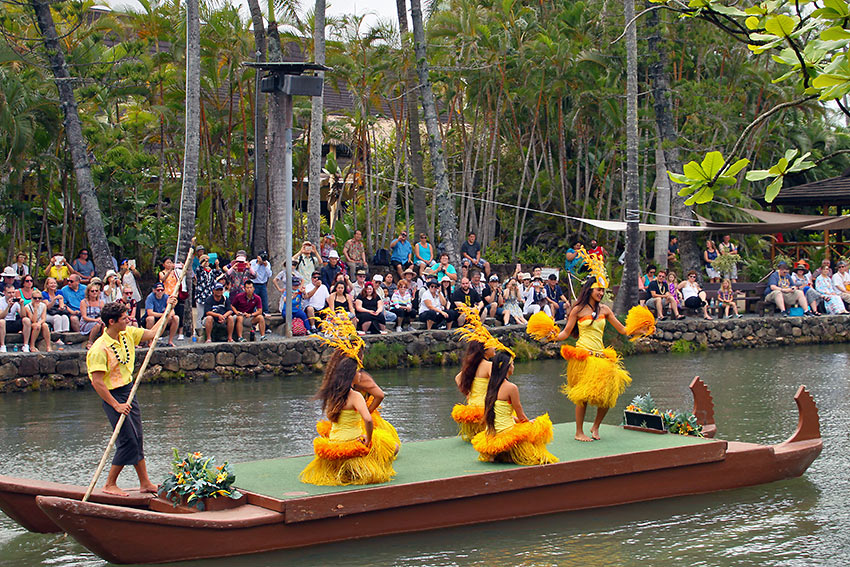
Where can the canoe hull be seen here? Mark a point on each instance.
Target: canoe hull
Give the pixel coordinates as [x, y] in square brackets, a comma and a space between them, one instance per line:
[120, 535]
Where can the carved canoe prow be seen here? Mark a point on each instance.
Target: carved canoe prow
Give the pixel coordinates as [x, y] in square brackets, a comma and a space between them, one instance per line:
[808, 423]
[703, 406]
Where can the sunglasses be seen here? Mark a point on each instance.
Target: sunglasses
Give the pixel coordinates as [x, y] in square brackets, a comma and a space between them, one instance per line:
[128, 293]
[692, 277]
[28, 280]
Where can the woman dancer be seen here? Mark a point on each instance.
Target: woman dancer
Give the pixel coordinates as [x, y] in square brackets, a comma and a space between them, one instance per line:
[595, 373]
[508, 438]
[354, 451]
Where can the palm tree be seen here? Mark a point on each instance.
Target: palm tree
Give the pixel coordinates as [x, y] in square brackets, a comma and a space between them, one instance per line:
[314, 189]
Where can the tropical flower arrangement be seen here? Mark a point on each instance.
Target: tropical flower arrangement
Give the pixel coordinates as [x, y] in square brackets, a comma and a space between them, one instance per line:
[196, 477]
[677, 422]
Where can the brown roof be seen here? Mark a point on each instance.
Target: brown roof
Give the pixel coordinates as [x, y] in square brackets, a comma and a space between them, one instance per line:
[832, 191]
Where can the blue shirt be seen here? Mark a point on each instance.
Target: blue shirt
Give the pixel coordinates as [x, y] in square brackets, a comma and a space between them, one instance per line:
[401, 251]
[73, 298]
[263, 271]
[575, 264]
[774, 279]
[157, 305]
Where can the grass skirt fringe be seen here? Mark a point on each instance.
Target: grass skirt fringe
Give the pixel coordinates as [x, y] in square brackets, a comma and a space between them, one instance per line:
[470, 419]
[594, 380]
[523, 444]
[342, 463]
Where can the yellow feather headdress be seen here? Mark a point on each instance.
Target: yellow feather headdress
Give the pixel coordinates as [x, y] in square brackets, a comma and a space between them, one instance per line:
[341, 333]
[596, 266]
[474, 330]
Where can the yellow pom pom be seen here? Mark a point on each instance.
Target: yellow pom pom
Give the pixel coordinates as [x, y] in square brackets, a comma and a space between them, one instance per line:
[541, 327]
[640, 322]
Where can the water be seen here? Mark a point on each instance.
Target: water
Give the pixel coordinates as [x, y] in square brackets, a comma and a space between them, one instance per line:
[801, 522]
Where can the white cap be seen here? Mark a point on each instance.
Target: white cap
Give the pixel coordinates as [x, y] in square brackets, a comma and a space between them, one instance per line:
[377, 278]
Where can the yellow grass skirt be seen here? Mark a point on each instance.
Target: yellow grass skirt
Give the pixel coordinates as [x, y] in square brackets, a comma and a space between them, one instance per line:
[523, 444]
[341, 463]
[323, 427]
[594, 380]
[470, 419]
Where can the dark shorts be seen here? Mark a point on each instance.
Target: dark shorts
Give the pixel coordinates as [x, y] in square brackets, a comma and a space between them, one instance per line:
[15, 326]
[396, 263]
[128, 447]
[694, 302]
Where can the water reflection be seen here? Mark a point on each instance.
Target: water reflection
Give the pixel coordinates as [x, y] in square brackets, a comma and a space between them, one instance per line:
[60, 436]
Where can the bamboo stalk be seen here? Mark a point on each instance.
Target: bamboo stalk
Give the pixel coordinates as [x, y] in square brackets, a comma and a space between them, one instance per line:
[161, 326]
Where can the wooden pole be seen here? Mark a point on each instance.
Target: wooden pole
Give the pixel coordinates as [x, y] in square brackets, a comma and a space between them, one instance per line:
[186, 266]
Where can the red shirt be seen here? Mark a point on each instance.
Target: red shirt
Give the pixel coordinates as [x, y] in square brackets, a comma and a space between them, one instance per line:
[242, 304]
[599, 251]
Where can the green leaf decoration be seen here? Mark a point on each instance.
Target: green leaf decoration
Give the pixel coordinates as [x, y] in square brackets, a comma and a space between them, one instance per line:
[773, 189]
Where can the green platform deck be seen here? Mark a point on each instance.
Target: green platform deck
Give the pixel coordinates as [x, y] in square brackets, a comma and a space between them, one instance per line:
[449, 457]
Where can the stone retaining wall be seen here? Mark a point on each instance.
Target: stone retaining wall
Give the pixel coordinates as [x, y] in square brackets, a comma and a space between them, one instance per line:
[306, 355]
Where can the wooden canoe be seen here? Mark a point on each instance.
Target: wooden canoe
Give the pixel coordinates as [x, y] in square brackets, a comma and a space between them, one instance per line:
[286, 514]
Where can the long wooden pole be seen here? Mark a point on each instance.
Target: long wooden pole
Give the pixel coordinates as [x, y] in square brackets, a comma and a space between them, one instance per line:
[186, 266]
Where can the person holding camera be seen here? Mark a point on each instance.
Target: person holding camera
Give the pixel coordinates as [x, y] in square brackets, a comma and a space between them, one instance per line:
[239, 272]
[263, 272]
[59, 270]
[11, 319]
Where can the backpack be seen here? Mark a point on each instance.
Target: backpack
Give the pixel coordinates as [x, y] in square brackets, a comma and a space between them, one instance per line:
[298, 328]
[382, 257]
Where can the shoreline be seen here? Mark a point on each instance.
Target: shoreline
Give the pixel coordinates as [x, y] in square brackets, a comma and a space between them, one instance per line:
[62, 370]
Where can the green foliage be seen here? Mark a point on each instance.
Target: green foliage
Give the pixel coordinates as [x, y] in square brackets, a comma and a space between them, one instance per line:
[383, 355]
[525, 350]
[681, 346]
[644, 403]
[725, 263]
[779, 171]
[681, 423]
[197, 477]
[700, 179]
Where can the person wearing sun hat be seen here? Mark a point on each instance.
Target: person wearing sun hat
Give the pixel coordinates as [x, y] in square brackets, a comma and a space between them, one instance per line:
[802, 279]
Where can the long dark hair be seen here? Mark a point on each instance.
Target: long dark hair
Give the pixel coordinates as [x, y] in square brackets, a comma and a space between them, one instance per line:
[498, 375]
[473, 357]
[339, 377]
[584, 298]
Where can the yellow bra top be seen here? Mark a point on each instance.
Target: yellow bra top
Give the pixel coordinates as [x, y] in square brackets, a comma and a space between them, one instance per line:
[346, 427]
[478, 391]
[590, 334]
[504, 415]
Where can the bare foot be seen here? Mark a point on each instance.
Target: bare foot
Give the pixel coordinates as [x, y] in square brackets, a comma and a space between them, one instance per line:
[208, 341]
[113, 489]
[33, 349]
[152, 488]
[170, 344]
[582, 437]
[594, 433]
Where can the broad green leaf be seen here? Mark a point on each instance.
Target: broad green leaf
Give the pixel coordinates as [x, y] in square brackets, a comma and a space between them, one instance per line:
[833, 33]
[780, 25]
[829, 80]
[786, 76]
[676, 178]
[791, 154]
[780, 168]
[773, 189]
[758, 175]
[736, 167]
[704, 195]
[726, 180]
[712, 163]
[752, 22]
[688, 189]
[694, 172]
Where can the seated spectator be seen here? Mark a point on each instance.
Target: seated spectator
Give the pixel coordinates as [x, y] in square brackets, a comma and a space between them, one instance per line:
[248, 305]
[673, 288]
[841, 281]
[595, 248]
[316, 293]
[238, 273]
[673, 250]
[470, 255]
[9, 280]
[327, 245]
[431, 307]
[128, 299]
[443, 270]
[477, 283]
[57, 314]
[536, 299]
[494, 299]
[84, 266]
[401, 256]
[384, 296]
[729, 247]
[423, 254]
[369, 309]
[112, 288]
[555, 297]
[329, 272]
[355, 253]
[339, 298]
[12, 319]
[402, 306]
[726, 299]
[26, 290]
[200, 250]
[389, 285]
[262, 269]
[693, 295]
[218, 314]
[709, 255]
[37, 313]
[825, 263]
[574, 263]
[413, 285]
[644, 282]
[801, 278]
[832, 301]
[155, 305]
[359, 283]
[73, 293]
[514, 303]
[91, 324]
[782, 293]
[660, 296]
[463, 294]
[58, 270]
[446, 290]
[298, 305]
[20, 266]
[204, 283]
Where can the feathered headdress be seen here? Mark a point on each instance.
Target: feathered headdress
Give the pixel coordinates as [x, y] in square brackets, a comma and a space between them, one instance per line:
[474, 330]
[596, 266]
[341, 333]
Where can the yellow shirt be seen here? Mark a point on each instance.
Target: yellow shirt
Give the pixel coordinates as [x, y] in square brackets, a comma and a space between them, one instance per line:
[346, 427]
[118, 368]
[59, 272]
[590, 334]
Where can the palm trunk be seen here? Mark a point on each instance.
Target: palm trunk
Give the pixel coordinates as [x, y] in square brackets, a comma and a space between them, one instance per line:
[314, 218]
[260, 209]
[74, 134]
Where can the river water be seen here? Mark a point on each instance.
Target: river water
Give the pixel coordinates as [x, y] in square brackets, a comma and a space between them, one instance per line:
[60, 436]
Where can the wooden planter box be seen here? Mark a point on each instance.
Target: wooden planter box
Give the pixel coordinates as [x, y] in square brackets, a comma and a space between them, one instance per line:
[161, 504]
[638, 421]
